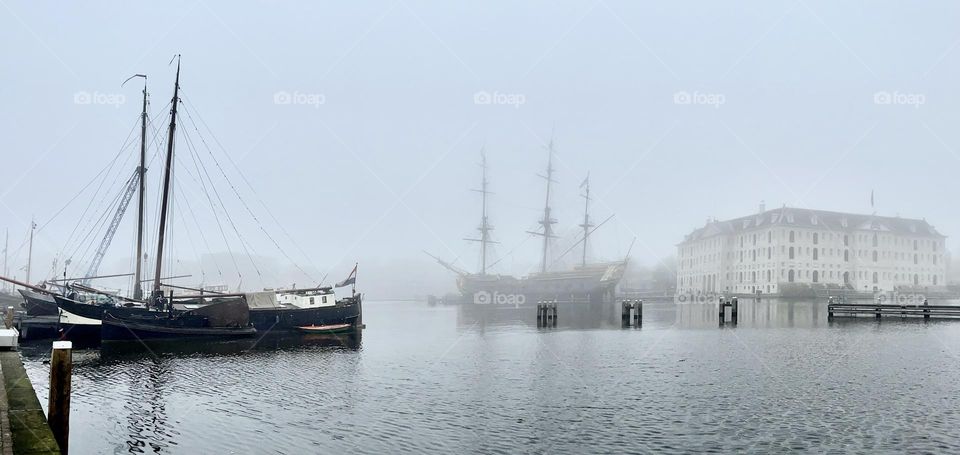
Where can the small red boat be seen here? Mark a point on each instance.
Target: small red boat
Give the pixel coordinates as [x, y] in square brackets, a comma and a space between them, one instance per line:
[331, 328]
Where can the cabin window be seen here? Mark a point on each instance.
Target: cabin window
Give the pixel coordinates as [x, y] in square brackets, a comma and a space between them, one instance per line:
[311, 300]
[324, 299]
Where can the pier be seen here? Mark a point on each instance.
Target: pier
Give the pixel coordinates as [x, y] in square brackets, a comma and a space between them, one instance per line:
[22, 421]
[839, 308]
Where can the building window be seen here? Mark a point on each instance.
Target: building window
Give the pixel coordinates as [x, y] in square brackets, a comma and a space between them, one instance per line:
[914, 245]
[790, 276]
[791, 253]
[816, 254]
[916, 280]
[770, 254]
[846, 255]
[792, 238]
[874, 256]
[770, 239]
[875, 242]
[816, 276]
[846, 240]
[914, 258]
[816, 238]
[875, 281]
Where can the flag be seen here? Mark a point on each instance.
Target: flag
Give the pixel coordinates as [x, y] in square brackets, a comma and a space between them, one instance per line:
[351, 279]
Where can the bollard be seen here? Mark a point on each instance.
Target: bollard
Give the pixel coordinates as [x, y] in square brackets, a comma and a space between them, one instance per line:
[639, 314]
[9, 320]
[58, 404]
[721, 311]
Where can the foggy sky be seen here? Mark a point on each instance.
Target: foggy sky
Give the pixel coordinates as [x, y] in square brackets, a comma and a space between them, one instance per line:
[805, 103]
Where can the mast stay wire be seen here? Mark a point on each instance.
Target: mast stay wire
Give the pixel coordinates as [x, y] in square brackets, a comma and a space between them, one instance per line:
[203, 237]
[199, 165]
[189, 107]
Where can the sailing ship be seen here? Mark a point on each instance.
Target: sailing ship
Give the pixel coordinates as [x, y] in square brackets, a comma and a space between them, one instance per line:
[205, 314]
[584, 283]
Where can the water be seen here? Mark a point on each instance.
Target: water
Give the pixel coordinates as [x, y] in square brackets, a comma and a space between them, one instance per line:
[461, 379]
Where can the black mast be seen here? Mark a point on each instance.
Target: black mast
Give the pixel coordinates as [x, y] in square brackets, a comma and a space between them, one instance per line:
[586, 219]
[485, 226]
[168, 170]
[142, 171]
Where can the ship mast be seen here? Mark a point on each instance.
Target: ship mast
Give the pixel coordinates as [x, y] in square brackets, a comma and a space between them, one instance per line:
[168, 170]
[586, 217]
[6, 246]
[142, 170]
[485, 226]
[547, 222]
[30, 250]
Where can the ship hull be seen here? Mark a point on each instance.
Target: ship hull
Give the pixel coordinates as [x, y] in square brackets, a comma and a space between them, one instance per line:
[113, 329]
[38, 304]
[586, 285]
[347, 311]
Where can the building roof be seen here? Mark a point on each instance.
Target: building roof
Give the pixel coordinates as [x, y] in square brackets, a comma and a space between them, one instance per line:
[816, 219]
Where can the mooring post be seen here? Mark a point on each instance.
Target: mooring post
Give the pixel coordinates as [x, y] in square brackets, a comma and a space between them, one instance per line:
[639, 312]
[539, 313]
[721, 311]
[878, 308]
[554, 313]
[58, 403]
[926, 309]
[9, 319]
[733, 309]
[625, 313]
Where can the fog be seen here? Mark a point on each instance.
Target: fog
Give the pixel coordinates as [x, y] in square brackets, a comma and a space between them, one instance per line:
[341, 133]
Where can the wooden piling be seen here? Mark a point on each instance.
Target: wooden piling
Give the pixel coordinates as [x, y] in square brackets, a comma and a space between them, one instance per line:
[879, 309]
[926, 309]
[554, 313]
[638, 316]
[722, 316]
[58, 404]
[625, 313]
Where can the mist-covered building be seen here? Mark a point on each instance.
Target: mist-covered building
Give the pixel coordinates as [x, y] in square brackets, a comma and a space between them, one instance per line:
[789, 251]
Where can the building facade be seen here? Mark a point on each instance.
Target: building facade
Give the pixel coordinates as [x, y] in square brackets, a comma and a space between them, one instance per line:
[788, 250]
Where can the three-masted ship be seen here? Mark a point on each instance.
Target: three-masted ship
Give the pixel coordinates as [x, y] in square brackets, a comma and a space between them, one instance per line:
[584, 283]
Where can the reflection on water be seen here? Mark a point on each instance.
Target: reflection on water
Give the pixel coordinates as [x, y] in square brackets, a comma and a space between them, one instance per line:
[487, 379]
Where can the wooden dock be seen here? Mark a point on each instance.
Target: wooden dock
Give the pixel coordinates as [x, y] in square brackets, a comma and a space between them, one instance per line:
[23, 425]
[878, 310]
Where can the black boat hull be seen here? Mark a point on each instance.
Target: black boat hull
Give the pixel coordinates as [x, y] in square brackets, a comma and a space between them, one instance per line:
[347, 311]
[38, 304]
[113, 330]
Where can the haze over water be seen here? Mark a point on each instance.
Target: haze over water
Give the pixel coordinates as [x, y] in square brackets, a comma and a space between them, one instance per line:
[474, 379]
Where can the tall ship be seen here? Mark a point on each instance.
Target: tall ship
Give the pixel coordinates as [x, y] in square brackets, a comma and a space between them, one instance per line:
[584, 283]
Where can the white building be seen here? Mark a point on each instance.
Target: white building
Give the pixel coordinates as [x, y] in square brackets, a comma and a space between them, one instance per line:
[788, 250]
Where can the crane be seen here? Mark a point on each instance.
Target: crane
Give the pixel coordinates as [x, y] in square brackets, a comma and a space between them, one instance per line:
[132, 185]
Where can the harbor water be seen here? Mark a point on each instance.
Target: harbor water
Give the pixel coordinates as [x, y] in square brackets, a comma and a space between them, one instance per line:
[451, 379]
